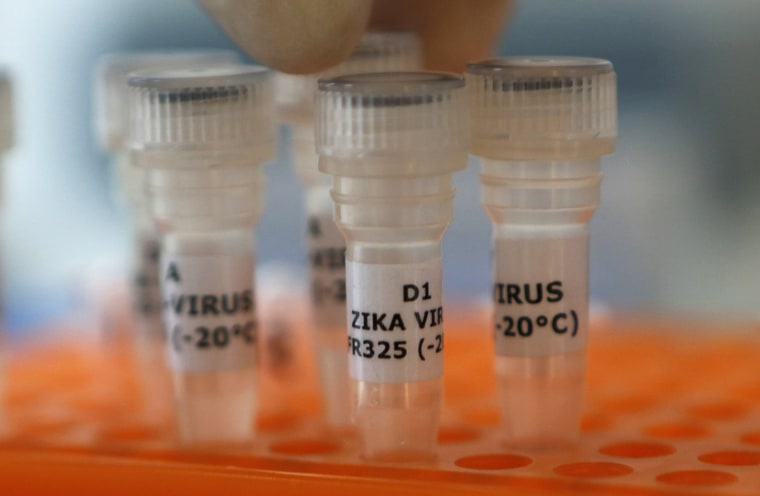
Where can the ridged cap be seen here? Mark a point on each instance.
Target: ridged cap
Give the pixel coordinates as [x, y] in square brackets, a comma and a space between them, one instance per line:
[542, 107]
[225, 111]
[376, 52]
[394, 114]
[111, 95]
[7, 134]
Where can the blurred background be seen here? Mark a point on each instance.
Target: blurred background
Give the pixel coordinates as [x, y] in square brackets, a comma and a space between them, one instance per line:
[676, 232]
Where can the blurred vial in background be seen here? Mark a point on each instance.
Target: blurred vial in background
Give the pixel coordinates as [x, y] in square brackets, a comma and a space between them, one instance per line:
[6, 143]
[142, 333]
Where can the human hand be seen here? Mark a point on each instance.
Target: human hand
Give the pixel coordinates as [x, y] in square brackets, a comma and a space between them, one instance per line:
[306, 36]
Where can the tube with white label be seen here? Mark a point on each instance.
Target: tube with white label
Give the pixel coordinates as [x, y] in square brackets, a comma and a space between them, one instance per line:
[540, 126]
[376, 52]
[391, 142]
[111, 126]
[202, 136]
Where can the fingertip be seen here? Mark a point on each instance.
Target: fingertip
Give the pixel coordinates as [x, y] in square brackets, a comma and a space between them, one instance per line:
[453, 32]
[293, 36]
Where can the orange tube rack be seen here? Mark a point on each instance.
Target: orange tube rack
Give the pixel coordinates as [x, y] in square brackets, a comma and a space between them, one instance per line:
[672, 407]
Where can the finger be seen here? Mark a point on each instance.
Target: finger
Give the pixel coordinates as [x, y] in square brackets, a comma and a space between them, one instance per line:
[295, 36]
[453, 32]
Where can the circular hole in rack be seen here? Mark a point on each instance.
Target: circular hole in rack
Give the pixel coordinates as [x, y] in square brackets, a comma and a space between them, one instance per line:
[23, 397]
[593, 470]
[104, 408]
[307, 446]
[732, 458]
[495, 461]
[276, 422]
[595, 422]
[130, 432]
[697, 478]
[637, 449]
[457, 434]
[751, 438]
[677, 430]
[750, 392]
[630, 404]
[41, 427]
[719, 411]
[483, 416]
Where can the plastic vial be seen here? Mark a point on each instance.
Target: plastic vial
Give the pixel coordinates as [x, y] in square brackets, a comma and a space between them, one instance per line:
[202, 137]
[112, 122]
[7, 124]
[7, 139]
[6, 113]
[540, 125]
[391, 142]
[376, 52]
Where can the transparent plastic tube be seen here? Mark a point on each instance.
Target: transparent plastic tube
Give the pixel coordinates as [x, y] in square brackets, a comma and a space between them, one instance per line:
[540, 124]
[327, 277]
[111, 105]
[111, 124]
[202, 136]
[215, 395]
[540, 291]
[147, 303]
[7, 124]
[376, 52]
[396, 415]
[7, 138]
[391, 141]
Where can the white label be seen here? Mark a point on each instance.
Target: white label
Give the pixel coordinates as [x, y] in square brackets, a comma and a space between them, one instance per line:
[540, 295]
[209, 311]
[327, 272]
[146, 292]
[395, 322]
